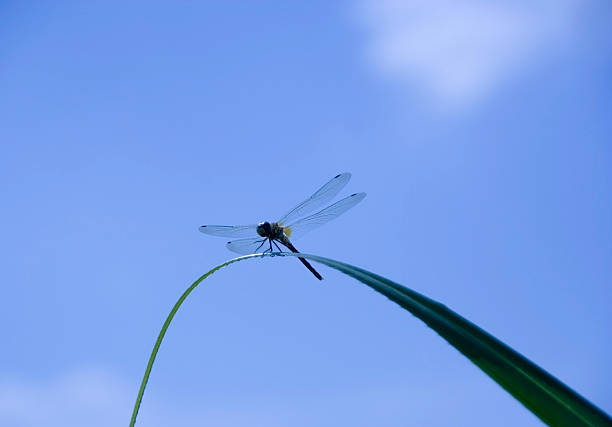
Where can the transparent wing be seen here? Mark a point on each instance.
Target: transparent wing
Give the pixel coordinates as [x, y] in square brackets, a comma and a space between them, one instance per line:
[248, 246]
[230, 230]
[321, 197]
[313, 221]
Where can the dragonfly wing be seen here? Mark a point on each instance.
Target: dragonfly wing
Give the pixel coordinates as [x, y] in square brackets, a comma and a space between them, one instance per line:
[321, 197]
[248, 246]
[313, 221]
[230, 230]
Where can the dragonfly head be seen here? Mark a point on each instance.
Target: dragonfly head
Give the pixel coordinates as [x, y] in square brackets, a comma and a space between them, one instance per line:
[264, 229]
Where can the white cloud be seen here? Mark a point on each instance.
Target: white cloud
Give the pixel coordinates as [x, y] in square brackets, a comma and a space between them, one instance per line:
[84, 398]
[97, 398]
[457, 51]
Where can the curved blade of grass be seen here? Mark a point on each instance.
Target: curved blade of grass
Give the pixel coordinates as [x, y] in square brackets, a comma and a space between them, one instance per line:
[160, 336]
[544, 395]
[547, 397]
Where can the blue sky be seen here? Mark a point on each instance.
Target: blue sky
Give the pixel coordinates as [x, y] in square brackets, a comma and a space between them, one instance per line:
[481, 133]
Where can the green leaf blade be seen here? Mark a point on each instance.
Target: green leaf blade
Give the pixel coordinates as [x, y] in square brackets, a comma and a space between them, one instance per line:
[543, 394]
[548, 398]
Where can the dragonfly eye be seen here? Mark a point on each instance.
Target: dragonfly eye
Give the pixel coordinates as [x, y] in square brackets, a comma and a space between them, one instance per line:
[264, 229]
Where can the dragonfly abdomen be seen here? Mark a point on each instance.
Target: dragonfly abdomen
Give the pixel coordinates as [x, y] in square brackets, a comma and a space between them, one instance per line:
[285, 241]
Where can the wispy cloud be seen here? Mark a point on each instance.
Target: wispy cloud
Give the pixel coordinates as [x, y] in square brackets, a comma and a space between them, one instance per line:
[459, 51]
[97, 398]
[87, 397]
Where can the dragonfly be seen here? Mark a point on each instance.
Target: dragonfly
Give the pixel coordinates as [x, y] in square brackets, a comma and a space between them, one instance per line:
[265, 236]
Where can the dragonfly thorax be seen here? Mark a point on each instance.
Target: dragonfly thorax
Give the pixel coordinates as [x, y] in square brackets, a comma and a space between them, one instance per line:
[270, 230]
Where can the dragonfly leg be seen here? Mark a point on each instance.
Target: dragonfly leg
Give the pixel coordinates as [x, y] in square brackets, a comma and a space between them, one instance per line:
[277, 247]
[262, 243]
[270, 240]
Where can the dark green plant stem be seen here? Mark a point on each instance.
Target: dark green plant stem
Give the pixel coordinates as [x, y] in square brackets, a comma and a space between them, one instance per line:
[548, 398]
